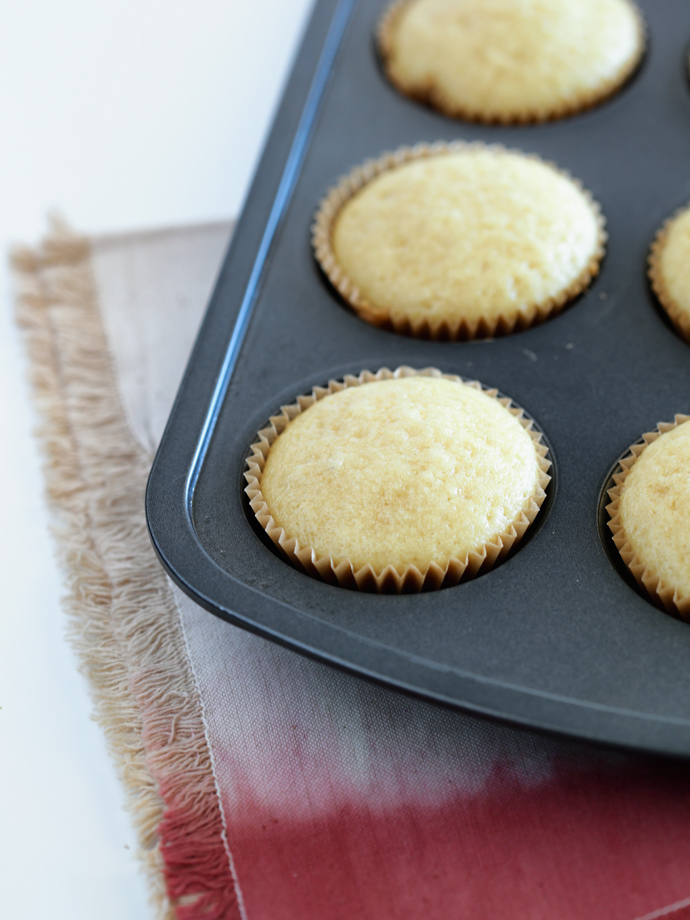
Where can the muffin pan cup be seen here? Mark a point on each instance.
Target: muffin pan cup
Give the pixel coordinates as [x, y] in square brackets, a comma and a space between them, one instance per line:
[654, 585]
[678, 316]
[434, 95]
[410, 579]
[441, 328]
[556, 637]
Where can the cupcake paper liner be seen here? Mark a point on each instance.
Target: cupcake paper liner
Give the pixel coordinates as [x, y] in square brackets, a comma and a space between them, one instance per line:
[659, 592]
[410, 579]
[436, 97]
[679, 317]
[441, 329]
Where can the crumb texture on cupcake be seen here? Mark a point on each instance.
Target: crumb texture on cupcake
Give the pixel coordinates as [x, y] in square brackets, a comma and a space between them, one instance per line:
[511, 60]
[409, 471]
[461, 241]
[651, 514]
[669, 270]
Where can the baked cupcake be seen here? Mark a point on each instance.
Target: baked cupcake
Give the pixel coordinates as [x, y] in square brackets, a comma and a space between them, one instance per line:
[397, 481]
[511, 61]
[458, 241]
[650, 514]
[669, 270]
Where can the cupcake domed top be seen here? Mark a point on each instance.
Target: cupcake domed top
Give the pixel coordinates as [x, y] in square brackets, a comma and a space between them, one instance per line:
[459, 241]
[511, 60]
[669, 270]
[409, 471]
[651, 514]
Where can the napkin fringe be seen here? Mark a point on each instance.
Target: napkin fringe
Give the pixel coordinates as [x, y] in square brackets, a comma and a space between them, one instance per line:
[123, 621]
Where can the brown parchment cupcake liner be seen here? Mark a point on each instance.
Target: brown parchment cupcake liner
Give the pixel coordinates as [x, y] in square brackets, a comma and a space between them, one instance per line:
[678, 316]
[411, 579]
[436, 97]
[659, 592]
[441, 329]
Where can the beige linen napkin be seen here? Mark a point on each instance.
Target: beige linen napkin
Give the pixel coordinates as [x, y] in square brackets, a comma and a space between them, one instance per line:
[266, 786]
[109, 322]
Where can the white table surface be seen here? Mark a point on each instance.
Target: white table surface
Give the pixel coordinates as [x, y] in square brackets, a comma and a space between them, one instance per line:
[121, 115]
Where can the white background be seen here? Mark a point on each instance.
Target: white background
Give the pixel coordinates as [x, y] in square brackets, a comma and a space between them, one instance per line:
[119, 115]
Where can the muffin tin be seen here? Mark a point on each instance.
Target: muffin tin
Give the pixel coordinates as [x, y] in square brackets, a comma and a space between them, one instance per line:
[557, 637]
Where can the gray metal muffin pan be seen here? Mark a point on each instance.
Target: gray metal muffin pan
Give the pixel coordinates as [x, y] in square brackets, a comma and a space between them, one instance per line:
[557, 637]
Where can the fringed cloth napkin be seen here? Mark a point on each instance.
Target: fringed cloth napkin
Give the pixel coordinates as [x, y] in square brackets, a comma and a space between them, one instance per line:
[263, 785]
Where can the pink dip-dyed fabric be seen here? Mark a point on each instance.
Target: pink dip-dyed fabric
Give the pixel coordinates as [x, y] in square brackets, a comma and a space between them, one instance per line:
[342, 799]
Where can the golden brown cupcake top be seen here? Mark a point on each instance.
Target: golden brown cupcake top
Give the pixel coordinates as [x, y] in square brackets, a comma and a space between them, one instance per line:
[459, 241]
[669, 270]
[408, 471]
[651, 514]
[511, 60]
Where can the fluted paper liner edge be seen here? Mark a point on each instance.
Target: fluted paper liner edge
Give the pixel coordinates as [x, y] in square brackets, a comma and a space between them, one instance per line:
[678, 316]
[411, 579]
[443, 329]
[434, 96]
[658, 590]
